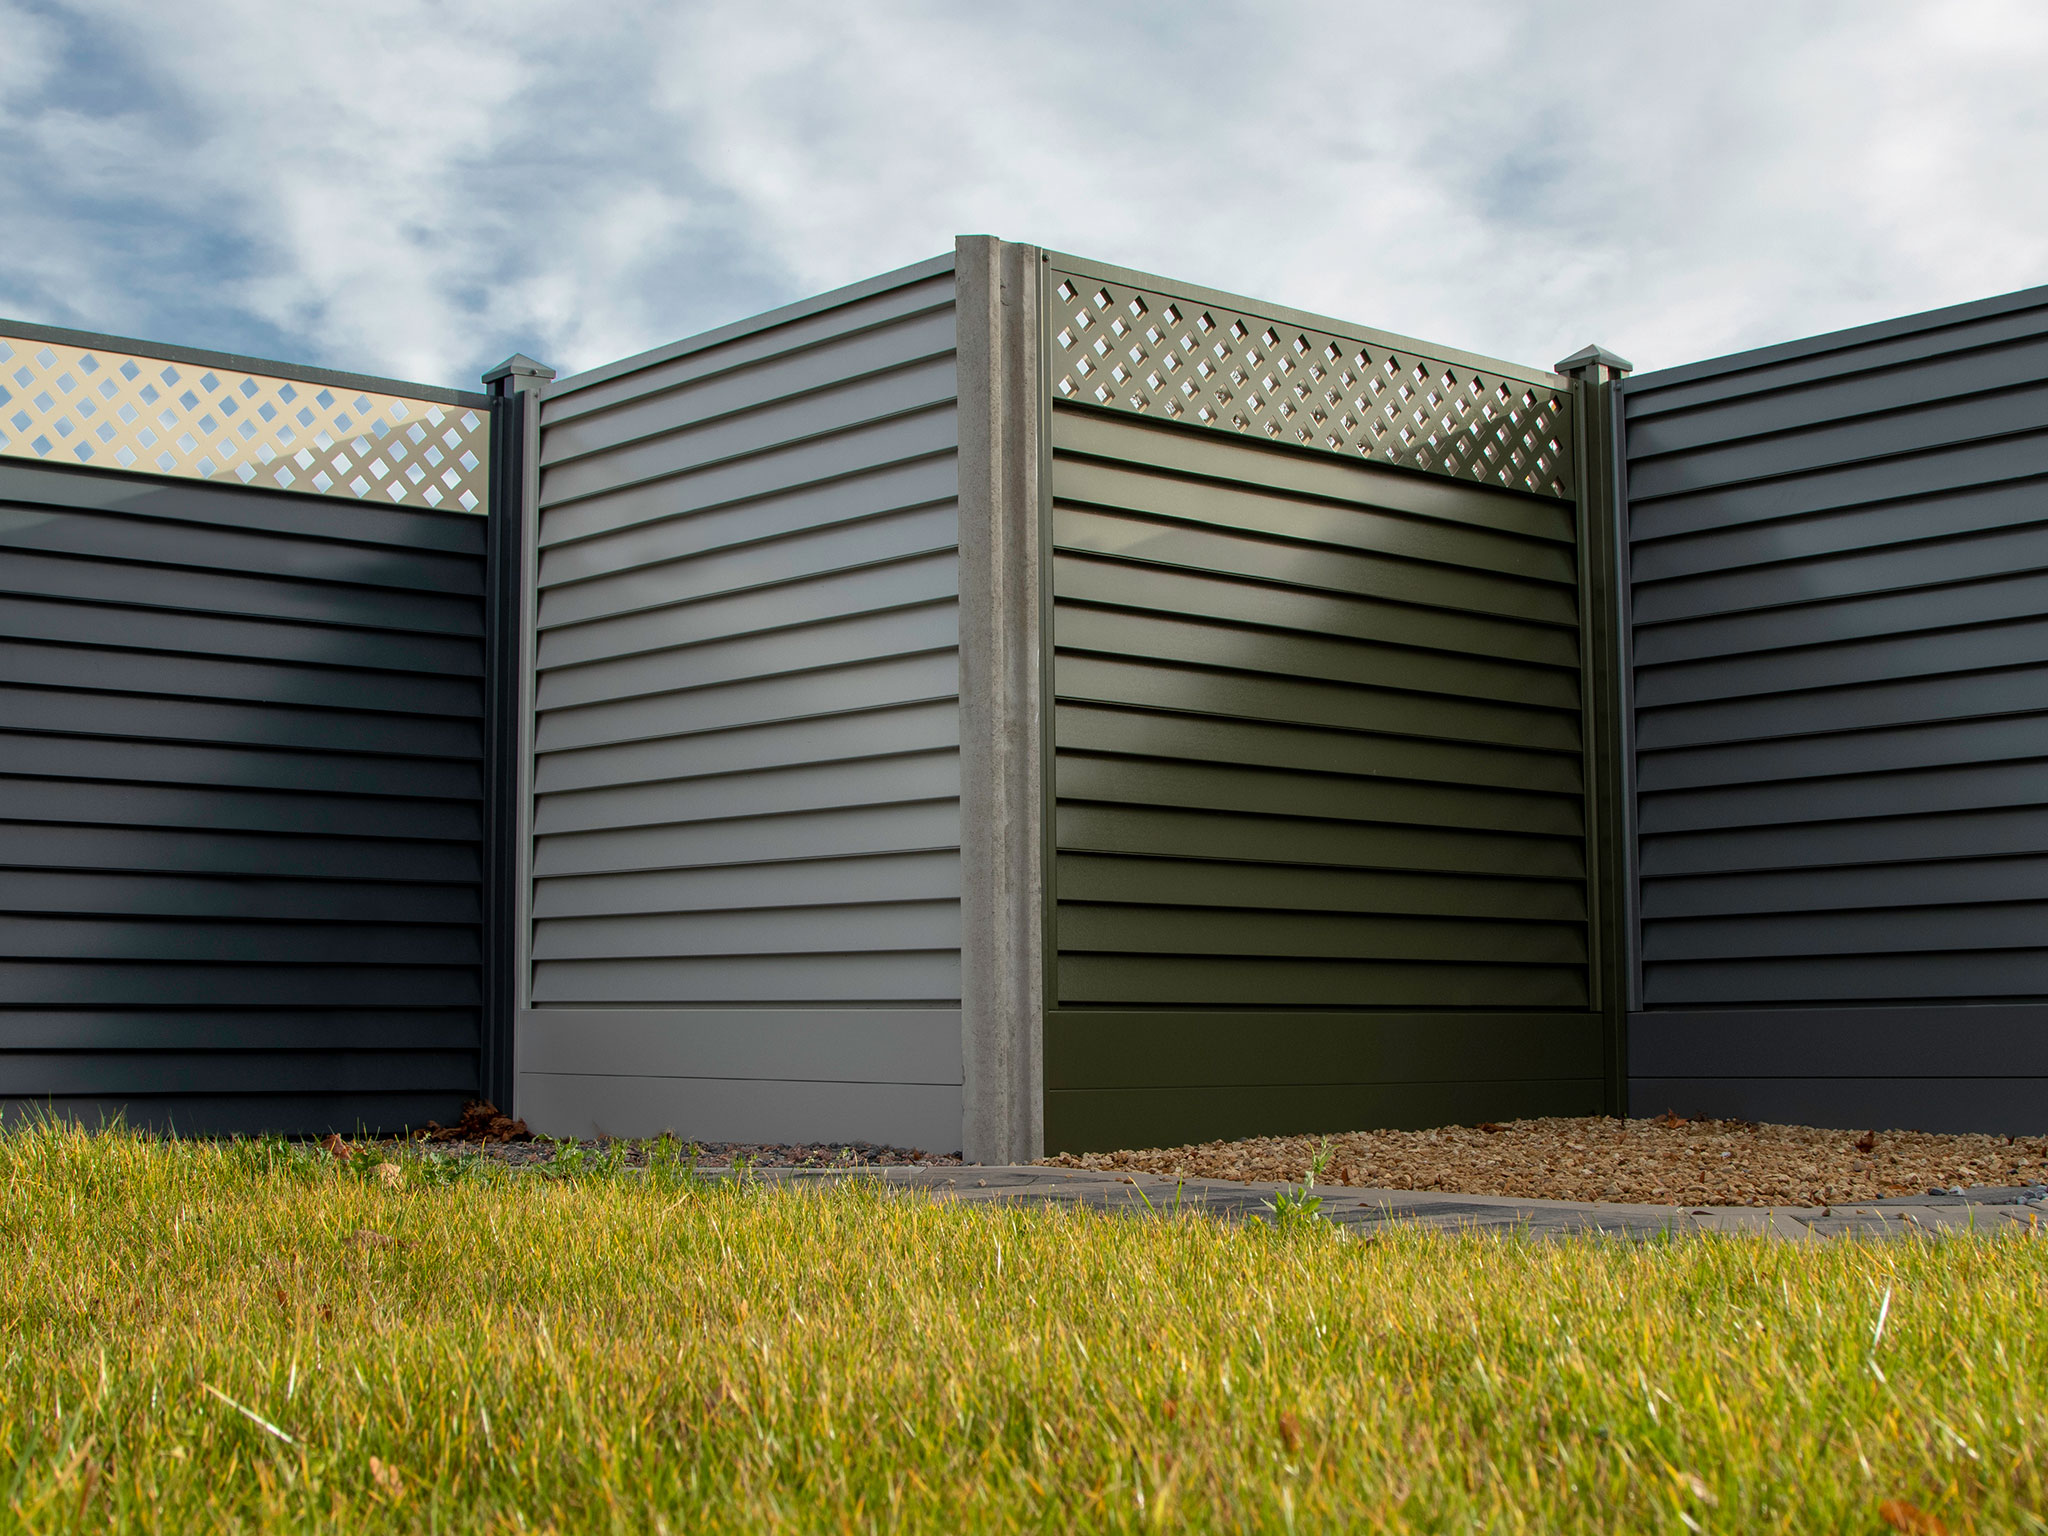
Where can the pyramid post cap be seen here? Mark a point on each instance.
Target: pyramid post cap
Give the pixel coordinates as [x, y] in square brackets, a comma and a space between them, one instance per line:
[1594, 356]
[518, 365]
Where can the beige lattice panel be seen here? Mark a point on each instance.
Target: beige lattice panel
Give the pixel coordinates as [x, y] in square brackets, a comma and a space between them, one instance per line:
[1160, 355]
[113, 410]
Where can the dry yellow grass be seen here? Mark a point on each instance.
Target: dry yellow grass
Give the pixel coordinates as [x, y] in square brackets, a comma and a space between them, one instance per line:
[209, 1338]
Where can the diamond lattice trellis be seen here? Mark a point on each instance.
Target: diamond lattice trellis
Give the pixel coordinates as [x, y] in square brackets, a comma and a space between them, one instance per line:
[114, 410]
[1203, 365]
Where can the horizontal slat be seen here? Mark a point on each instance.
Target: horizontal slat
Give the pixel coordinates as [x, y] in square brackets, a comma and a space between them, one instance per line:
[1424, 632]
[186, 591]
[1979, 926]
[144, 629]
[818, 320]
[1978, 834]
[1962, 515]
[899, 393]
[765, 792]
[1146, 684]
[193, 808]
[1920, 792]
[122, 938]
[1868, 885]
[810, 1045]
[1898, 433]
[878, 588]
[1917, 1045]
[1867, 349]
[36, 1073]
[1295, 888]
[1251, 507]
[832, 643]
[1086, 927]
[1461, 601]
[290, 517]
[872, 495]
[1110, 1119]
[1890, 568]
[215, 851]
[1157, 1049]
[1861, 978]
[876, 684]
[139, 894]
[849, 929]
[1860, 618]
[1210, 982]
[332, 687]
[214, 548]
[820, 739]
[749, 388]
[1125, 634]
[249, 1114]
[1875, 751]
[752, 566]
[732, 888]
[924, 436]
[1176, 450]
[2012, 644]
[105, 1030]
[1905, 386]
[1210, 786]
[816, 835]
[75, 757]
[1147, 733]
[238, 724]
[1175, 833]
[923, 976]
[1912, 701]
[64, 983]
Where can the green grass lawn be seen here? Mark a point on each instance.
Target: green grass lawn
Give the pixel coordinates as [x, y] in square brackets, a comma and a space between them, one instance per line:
[203, 1337]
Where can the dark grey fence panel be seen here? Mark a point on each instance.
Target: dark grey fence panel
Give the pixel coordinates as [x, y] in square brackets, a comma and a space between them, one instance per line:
[1838, 558]
[242, 753]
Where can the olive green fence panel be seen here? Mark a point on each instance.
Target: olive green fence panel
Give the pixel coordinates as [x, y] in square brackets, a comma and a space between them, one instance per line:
[1319, 836]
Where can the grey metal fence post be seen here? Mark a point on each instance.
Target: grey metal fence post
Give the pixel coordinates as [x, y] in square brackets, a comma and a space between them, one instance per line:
[1603, 589]
[517, 383]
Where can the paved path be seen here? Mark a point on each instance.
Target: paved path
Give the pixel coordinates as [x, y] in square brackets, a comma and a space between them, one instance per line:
[1361, 1210]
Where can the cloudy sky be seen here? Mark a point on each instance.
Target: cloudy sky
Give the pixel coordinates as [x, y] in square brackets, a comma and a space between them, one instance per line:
[418, 187]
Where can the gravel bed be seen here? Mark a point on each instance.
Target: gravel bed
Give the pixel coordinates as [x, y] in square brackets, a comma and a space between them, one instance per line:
[1665, 1161]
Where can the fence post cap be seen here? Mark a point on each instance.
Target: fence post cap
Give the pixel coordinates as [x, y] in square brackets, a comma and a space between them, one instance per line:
[518, 365]
[1583, 362]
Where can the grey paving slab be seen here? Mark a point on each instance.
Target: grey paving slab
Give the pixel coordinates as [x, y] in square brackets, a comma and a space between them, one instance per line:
[1363, 1211]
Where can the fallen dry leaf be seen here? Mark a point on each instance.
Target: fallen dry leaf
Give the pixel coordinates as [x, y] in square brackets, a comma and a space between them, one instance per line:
[1910, 1518]
[1290, 1432]
[1867, 1142]
[387, 1479]
[336, 1147]
[391, 1174]
[481, 1121]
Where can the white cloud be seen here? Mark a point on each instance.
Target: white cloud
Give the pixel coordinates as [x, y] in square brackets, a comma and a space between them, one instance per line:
[419, 190]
